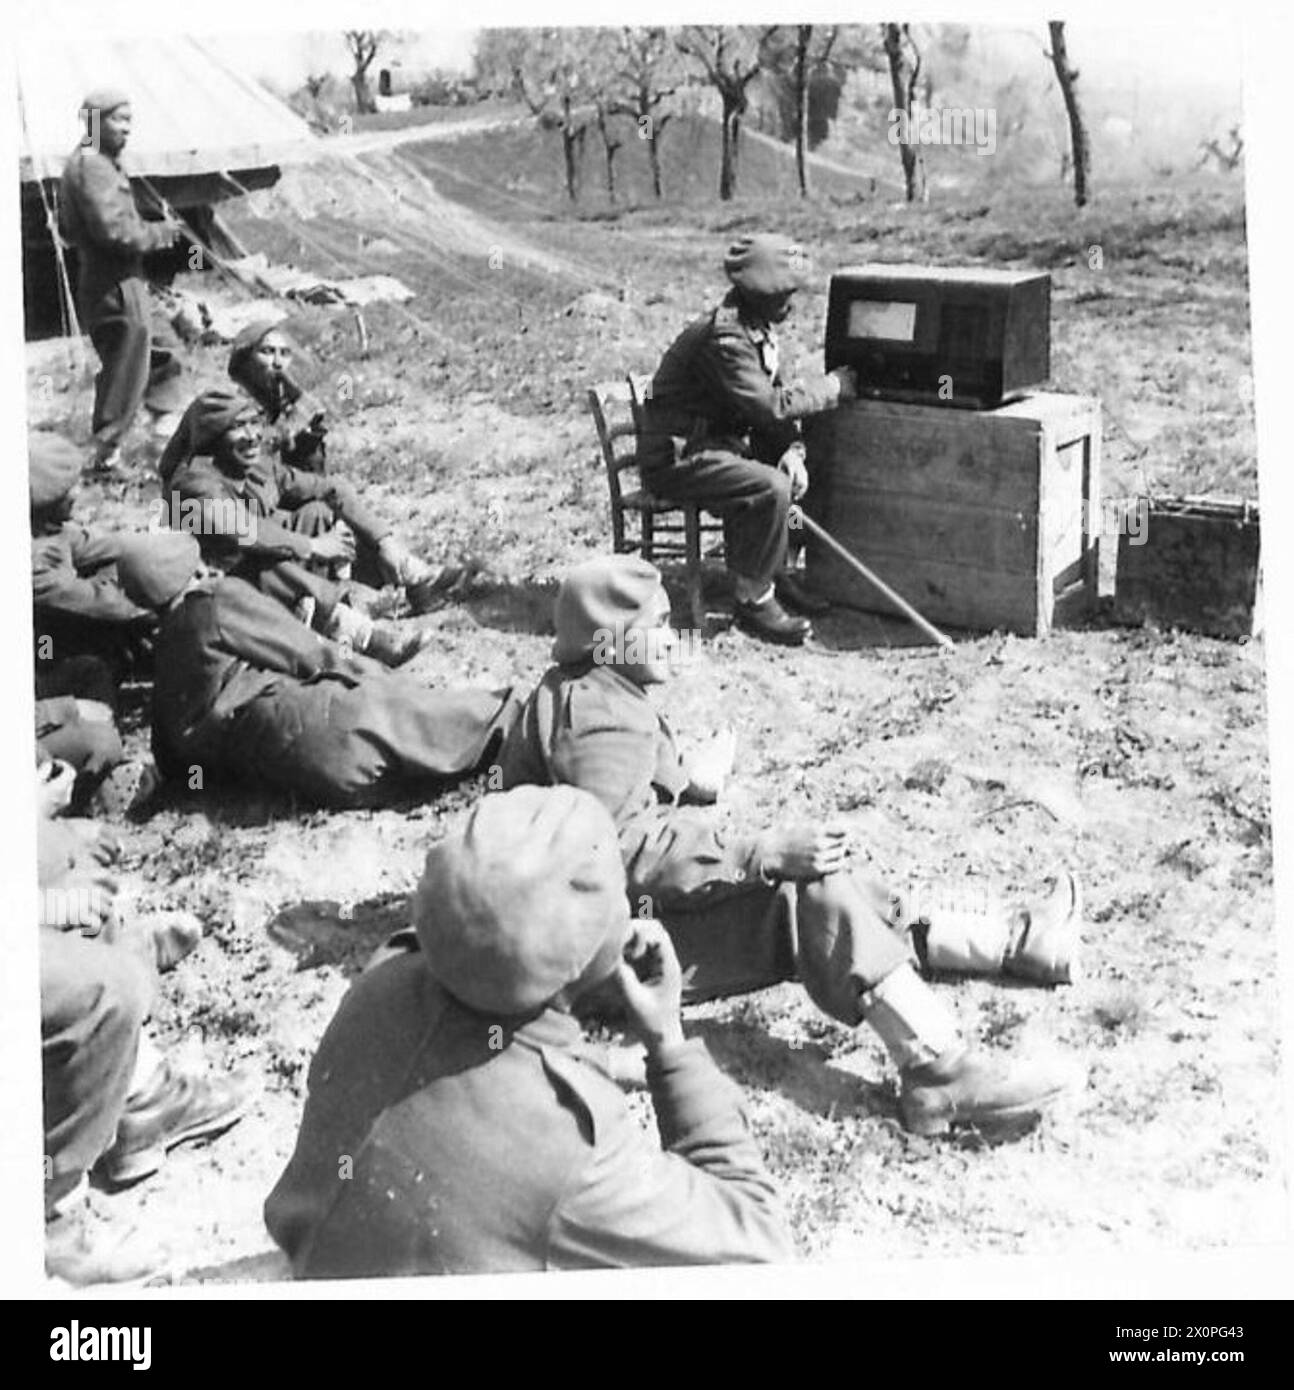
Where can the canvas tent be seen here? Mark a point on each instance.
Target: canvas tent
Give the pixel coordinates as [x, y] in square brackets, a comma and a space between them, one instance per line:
[201, 133]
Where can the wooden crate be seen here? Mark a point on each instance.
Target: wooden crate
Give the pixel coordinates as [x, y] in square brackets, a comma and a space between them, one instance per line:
[981, 519]
[1194, 564]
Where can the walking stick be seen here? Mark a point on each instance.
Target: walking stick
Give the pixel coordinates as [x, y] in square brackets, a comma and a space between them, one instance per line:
[896, 599]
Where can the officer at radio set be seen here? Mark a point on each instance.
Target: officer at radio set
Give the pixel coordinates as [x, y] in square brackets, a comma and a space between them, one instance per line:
[720, 427]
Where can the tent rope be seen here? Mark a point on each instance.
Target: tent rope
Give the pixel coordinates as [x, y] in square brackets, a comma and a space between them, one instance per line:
[69, 320]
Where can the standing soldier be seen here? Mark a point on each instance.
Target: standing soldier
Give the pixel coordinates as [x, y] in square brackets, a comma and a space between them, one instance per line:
[721, 428]
[99, 217]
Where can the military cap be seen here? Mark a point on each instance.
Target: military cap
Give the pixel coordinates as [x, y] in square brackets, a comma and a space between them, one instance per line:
[153, 568]
[607, 594]
[53, 468]
[767, 264]
[105, 99]
[517, 905]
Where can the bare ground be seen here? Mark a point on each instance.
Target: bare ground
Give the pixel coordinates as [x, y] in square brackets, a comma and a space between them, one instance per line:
[1138, 758]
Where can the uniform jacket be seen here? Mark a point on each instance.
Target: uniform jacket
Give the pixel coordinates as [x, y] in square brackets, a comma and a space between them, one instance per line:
[591, 727]
[719, 385]
[73, 573]
[98, 215]
[436, 1140]
[224, 644]
[242, 524]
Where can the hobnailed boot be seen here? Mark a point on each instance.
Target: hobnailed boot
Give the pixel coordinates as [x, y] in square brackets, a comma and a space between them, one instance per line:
[969, 931]
[942, 1082]
[967, 1088]
[178, 1107]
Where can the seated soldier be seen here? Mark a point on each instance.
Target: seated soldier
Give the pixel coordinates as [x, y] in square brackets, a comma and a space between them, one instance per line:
[259, 362]
[749, 912]
[721, 428]
[246, 693]
[279, 528]
[219, 453]
[483, 1134]
[113, 1104]
[79, 609]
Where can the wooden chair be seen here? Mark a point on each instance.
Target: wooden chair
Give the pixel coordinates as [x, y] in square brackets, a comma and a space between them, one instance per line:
[663, 530]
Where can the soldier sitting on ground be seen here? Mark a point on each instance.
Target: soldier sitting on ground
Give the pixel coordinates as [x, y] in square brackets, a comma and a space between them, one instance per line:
[248, 694]
[220, 452]
[457, 1122]
[747, 912]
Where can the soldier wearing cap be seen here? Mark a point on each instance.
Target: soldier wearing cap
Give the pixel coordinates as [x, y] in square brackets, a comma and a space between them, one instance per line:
[249, 694]
[750, 910]
[99, 217]
[722, 428]
[79, 608]
[265, 520]
[456, 1122]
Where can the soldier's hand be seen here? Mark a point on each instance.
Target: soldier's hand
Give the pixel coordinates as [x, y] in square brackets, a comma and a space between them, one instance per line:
[848, 379]
[337, 544]
[651, 982]
[793, 464]
[805, 852]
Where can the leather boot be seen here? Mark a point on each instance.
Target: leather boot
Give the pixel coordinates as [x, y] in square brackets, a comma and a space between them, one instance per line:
[970, 931]
[795, 593]
[967, 1088]
[942, 1082]
[178, 1107]
[392, 647]
[83, 1248]
[771, 622]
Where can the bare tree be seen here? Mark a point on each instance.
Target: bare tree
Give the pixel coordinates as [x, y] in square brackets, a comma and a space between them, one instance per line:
[1227, 159]
[549, 70]
[1067, 76]
[731, 58]
[905, 74]
[363, 45]
[647, 75]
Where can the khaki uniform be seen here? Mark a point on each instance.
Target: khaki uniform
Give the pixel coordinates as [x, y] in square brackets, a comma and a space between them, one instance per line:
[591, 727]
[483, 1145]
[717, 420]
[249, 694]
[138, 363]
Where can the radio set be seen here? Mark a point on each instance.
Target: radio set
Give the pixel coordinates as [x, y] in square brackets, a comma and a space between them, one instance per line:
[955, 337]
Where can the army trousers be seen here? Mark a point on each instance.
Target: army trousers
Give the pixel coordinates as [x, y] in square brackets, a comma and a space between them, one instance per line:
[752, 498]
[94, 997]
[139, 362]
[341, 741]
[834, 935]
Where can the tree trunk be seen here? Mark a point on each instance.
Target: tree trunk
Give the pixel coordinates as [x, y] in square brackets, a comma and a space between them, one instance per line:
[609, 148]
[728, 155]
[1068, 79]
[653, 154]
[804, 35]
[900, 84]
[363, 97]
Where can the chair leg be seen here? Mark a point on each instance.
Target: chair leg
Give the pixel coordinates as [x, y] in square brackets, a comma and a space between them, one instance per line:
[692, 537]
[648, 533]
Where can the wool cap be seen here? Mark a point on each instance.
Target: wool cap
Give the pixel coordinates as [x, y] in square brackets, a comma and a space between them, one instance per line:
[105, 99]
[246, 341]
[767, 263]
[53, 468]
[608, 594]
[214, 413]
[153, 568]
[517, 905]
